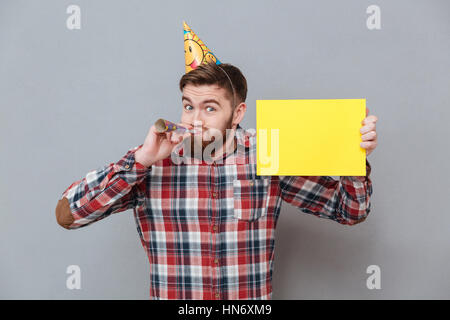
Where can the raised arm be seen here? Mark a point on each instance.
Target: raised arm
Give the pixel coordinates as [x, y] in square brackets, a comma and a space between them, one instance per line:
[110, 189]
[346, 201]
[115, 187]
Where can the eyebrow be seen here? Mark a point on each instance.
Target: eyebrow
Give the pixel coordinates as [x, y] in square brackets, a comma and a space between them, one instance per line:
[203, 102]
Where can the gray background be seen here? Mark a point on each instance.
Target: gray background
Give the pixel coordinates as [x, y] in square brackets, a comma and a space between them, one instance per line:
[72, 101]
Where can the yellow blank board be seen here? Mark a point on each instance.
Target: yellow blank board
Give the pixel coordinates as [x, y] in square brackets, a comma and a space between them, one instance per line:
[314, 137]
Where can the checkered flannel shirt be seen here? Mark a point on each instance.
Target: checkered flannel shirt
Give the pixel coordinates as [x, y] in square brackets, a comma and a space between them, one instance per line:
[209, 229]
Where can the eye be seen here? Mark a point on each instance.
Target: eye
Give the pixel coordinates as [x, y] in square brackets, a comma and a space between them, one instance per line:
[190, 49]
[186, 107]
[210, 108]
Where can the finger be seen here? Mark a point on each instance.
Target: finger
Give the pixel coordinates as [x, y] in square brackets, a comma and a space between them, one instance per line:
[371, 126]
[175, 142]
[371, 135]
[176, 137]
[368, 145]
[370, 118]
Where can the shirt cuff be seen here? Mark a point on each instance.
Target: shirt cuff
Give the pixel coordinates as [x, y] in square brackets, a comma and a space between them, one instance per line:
[129, 169]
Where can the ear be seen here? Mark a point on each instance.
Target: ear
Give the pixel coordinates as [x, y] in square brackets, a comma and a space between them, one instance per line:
[239, 113]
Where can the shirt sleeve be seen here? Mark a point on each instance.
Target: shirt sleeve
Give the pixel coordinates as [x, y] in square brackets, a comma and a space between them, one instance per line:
[346, 201]
[110, 189]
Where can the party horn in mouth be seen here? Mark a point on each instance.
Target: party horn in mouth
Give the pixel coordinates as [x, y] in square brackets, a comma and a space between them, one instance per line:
[162, 126]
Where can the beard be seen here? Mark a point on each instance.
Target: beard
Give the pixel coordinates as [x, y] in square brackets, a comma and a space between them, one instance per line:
[198, 145]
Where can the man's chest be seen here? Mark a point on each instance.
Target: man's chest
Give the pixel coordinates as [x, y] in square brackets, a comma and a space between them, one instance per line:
[227, 193]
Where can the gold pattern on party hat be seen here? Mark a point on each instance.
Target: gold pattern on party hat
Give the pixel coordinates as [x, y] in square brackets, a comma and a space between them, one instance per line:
[195, 51]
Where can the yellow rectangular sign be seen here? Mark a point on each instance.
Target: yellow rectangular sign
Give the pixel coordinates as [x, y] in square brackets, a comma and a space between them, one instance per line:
[310, 137]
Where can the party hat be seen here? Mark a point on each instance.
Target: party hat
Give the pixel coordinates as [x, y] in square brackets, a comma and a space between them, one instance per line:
[195, 51]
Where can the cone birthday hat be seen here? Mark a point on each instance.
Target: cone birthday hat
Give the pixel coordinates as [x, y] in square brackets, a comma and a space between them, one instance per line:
[195, 51]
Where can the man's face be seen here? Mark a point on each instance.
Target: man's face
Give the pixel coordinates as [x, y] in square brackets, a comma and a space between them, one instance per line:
[208, 104]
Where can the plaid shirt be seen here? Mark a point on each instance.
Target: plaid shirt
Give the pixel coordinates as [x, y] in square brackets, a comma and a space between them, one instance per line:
[209, 229]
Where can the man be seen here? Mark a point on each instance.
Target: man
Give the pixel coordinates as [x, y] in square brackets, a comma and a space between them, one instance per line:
[208, 226]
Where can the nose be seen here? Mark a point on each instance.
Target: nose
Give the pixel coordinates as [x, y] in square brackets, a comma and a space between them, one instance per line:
[197, 120]
[194, 119]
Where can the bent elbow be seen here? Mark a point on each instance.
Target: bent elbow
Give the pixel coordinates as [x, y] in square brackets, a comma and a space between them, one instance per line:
[354, 221]
[63, 214]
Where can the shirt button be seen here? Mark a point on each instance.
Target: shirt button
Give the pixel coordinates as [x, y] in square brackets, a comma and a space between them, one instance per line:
[217, 295]
[251, 183]
[215, 228]
[216, 261]
[127, 166]
[214, 194]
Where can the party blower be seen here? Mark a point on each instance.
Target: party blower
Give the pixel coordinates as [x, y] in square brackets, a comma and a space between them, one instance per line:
[163, 125]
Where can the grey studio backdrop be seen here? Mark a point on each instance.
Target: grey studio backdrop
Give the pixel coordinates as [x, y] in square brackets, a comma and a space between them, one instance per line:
[75, 100]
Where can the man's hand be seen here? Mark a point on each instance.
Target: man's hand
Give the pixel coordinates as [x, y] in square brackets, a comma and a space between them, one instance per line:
[369, 133]
[158, 146]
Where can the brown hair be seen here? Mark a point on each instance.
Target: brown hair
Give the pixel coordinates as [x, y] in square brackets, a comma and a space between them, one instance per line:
[211, 73]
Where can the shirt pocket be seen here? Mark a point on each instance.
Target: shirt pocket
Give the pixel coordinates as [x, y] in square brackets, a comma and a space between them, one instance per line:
[250, 198]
